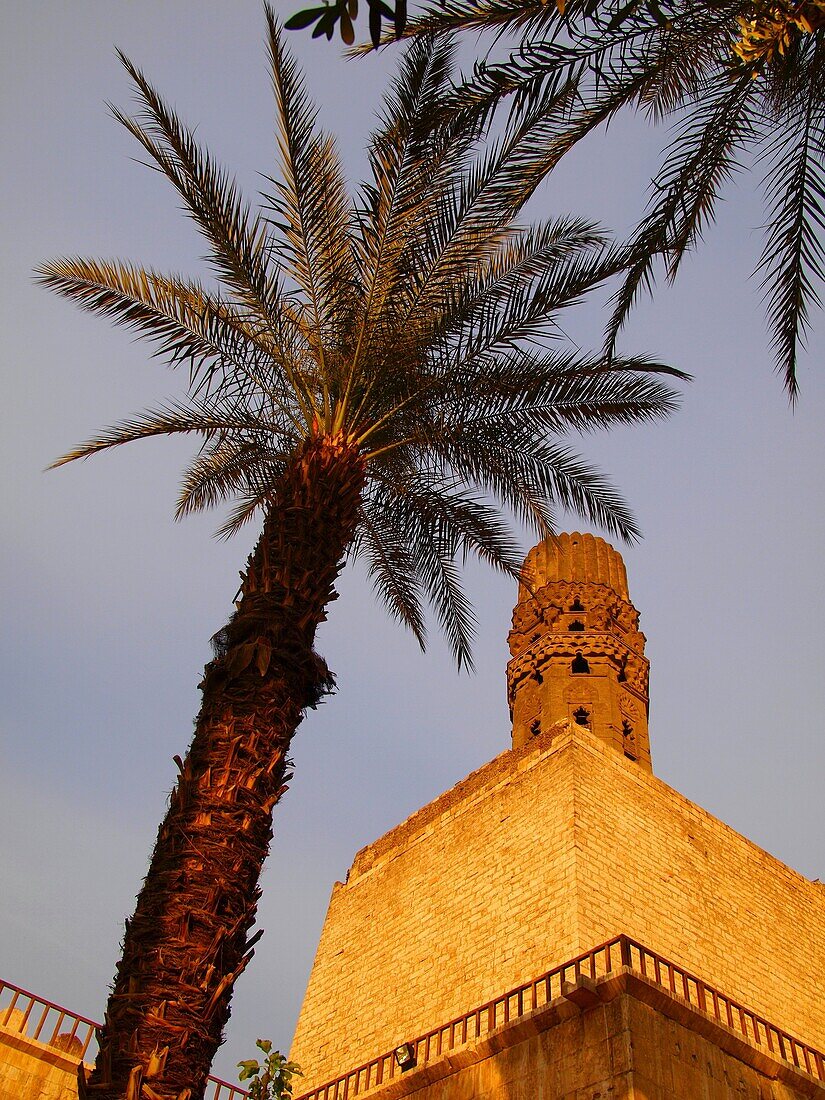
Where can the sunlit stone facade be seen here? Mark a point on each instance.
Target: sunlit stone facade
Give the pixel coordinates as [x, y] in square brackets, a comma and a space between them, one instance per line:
[563, 842]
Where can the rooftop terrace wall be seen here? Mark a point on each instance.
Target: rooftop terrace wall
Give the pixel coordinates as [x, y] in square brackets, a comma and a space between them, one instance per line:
[531, 860]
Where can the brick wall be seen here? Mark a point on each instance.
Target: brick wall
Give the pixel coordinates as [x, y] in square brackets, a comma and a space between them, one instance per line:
[623, 1050]
[538, 856]
[33, 1071]
[685, 884]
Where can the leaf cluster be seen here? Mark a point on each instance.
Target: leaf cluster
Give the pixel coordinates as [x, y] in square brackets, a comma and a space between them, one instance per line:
[271, 1080]
[416, 320]
[324, 18]
[730, 108]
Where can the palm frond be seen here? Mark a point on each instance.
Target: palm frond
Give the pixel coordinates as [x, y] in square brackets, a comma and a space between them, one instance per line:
[240, 248]
[521, 311]
[476, 525]
[556, 392]
[701, 159]
[228, 466]
[477, 300]
[434, 545]
[473, 219]
[390, 566]
[448, 15]
[534, 476]
[243, 513]
[672, 59]
[310, 204]
[412, 164]
[186, 323]
[793, 259]
[175, 418]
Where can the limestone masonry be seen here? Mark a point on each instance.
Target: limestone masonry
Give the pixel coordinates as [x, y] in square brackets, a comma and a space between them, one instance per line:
[557, 845]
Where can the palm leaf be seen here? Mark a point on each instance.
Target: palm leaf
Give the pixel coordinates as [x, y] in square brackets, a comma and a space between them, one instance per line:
[793, 259]
[187, 323]
[411, 164]
[310, 203]
[390, 566]
[175, 418]
[700, 160]
[240, 247]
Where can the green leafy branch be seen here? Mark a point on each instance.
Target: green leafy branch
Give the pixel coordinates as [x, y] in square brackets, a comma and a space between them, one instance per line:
[273, 1079]
[344, 13]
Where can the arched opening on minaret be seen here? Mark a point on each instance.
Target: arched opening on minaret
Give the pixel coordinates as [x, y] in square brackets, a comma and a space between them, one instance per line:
[629, 741]
[581, 716]
[576, 605]
[579, 665]
[577, 625]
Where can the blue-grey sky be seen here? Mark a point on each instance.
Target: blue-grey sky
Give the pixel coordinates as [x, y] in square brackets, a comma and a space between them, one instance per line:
[109, 605]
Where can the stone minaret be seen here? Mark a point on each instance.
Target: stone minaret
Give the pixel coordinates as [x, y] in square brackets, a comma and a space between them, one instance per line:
[433, 977]
[578, 654]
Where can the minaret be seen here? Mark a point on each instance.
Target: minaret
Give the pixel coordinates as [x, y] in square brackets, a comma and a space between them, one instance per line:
[578, 655]
[561, 922]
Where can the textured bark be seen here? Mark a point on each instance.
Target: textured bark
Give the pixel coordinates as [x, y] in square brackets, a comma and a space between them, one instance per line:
[189, 937]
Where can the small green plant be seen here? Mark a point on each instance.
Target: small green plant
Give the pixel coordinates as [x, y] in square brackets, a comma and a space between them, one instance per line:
[273, 1079]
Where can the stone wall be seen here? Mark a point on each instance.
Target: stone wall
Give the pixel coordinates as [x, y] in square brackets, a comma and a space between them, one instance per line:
[34, 1071]
[637, 1045]
[537, 857]
[688, 886]
[31, 1070]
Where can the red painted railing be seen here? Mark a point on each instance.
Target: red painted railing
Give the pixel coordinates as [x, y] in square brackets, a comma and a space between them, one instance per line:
[602, 960]
[57, 1027]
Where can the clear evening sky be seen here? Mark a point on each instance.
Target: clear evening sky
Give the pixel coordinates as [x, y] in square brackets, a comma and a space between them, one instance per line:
[109, 605]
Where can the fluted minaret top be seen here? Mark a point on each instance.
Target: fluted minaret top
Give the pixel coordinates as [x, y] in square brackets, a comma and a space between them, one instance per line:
[577, 651]
[574, 557]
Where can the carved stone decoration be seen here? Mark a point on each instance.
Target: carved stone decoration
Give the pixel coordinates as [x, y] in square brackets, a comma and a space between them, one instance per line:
[525, 616]
[580, 692]
[600, 618]
[635, 670]
[530, 621]
[549, 613]
[630, 709]
[574, 621]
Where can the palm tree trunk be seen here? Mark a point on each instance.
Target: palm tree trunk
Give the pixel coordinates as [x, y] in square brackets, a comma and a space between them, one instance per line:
[188, 939]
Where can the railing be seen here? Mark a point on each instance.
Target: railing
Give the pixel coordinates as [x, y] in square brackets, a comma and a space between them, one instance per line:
[60, 1029]
[44, 1021]
[755, 1028]
[56, 1027]
[602, 960]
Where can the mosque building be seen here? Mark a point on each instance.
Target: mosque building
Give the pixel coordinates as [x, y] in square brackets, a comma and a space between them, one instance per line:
[561, 924]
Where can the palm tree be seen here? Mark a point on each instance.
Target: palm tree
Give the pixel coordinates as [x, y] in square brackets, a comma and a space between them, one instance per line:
[368, 377]
[743, 82]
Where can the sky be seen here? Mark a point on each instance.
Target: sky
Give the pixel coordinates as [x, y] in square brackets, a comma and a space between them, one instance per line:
[109, 605]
